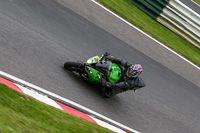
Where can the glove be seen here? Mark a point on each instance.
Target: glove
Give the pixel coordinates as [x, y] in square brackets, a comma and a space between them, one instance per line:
[105, 83]
[110, 58]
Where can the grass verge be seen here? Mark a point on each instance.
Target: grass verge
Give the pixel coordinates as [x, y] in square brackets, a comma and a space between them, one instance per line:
[131, 13]
[22, 114]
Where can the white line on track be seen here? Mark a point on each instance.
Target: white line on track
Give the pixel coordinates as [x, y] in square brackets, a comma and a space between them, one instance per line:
[145, 34]
[195, 3]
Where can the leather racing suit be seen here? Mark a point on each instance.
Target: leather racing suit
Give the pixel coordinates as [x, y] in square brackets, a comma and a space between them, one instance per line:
[124, 84]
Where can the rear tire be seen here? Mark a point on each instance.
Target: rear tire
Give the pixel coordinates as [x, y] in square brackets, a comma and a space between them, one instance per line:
[74, 66]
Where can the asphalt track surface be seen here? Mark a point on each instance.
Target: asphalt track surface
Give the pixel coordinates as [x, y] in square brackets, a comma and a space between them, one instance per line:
[38, 36]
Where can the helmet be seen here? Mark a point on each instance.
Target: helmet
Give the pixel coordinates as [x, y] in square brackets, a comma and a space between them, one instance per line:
[134, 71]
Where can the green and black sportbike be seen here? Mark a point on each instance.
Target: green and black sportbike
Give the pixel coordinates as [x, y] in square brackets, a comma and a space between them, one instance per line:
[96, 68]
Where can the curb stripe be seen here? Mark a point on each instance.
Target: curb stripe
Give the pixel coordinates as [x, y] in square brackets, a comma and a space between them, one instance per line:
[10, 84]
[106, 125]
[75, 112]
[39, 97]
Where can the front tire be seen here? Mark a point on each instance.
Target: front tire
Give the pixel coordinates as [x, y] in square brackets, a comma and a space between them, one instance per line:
[74, 66]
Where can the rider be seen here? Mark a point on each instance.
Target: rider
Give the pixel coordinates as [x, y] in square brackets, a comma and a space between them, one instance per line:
[129, 78]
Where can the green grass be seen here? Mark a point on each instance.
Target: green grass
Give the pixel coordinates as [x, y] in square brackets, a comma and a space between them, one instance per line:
[134, 15]
[22, 114]
[197, 1]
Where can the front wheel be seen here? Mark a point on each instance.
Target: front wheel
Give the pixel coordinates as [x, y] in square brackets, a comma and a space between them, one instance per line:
[74, 66]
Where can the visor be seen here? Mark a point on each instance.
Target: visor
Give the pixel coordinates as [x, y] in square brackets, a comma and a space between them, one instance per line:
[132, 73]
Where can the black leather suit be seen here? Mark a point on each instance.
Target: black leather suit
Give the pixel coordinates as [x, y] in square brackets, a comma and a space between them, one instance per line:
[125, 82]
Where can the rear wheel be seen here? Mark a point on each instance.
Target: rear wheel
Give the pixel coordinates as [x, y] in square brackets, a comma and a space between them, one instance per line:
[74, 66]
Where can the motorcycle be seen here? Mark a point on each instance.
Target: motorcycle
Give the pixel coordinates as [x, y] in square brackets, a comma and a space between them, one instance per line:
[96, 68]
